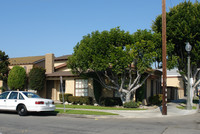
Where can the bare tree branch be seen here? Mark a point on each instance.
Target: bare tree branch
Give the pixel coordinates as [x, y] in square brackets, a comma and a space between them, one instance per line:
[111, 80]
[184, 77]
[136, 80]
[104, 84]
[130, 76]
[122, 83]
[196, 84]
[195, 74]
[139, 85]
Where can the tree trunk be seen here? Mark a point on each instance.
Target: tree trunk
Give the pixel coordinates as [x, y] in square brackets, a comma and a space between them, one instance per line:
[128, 97]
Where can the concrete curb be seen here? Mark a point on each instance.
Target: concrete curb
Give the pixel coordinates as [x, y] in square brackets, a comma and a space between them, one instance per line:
[127, 114]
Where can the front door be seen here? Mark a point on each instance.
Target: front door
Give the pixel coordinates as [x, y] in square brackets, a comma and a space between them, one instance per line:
[3, 98]
[12, 102]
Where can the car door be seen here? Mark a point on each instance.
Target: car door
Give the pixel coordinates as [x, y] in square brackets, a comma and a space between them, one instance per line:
[3, 98]
[11, 101]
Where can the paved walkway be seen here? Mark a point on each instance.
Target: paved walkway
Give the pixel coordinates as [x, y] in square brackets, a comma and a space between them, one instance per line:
[172, 110]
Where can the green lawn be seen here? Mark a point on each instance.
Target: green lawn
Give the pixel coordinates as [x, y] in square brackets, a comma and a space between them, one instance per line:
[95, 107]
[85, 112]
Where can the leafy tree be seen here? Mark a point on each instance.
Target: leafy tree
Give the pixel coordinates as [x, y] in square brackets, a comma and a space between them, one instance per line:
[4, 66]
[37, 78]
[183, 25]
[17, 78]
[119, 59]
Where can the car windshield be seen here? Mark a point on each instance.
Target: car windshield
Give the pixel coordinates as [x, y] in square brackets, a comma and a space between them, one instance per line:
[31, 95]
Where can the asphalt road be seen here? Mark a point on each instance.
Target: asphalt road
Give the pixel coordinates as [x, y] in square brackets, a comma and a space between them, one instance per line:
[11, 123]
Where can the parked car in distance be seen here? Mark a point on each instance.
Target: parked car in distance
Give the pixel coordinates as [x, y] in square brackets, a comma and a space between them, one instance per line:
[24, 102]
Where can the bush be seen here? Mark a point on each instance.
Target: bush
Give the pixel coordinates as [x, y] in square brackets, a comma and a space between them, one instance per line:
[37, 78]
[156, 99]
[80, 100]
[132, 104]
[196, 100]
[65, 97]
[110, 101]
[17, 78]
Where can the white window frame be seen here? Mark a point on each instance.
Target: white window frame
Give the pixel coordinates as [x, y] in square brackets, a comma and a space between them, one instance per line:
[81, 87]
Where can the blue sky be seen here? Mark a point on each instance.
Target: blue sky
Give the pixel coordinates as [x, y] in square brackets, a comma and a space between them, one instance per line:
[37, 27]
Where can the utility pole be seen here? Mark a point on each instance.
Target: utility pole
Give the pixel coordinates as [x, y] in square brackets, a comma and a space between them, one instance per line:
[164, 62]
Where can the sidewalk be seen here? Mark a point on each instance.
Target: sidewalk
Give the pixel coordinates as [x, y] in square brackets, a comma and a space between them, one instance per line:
[172, 110]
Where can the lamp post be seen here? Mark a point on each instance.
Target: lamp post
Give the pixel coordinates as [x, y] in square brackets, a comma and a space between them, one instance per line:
[188, 48]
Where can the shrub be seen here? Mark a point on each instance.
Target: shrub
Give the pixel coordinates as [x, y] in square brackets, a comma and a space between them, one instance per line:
[17, 78]
[110, 101]
[37, 78]
[80, 100]
[132, 104]
[156, 99]
[65, 97]
[196, 100]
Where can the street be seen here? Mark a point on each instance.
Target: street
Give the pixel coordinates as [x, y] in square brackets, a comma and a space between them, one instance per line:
[11, 123]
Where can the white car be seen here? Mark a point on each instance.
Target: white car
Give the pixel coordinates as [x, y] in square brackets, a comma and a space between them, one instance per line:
[24, 102]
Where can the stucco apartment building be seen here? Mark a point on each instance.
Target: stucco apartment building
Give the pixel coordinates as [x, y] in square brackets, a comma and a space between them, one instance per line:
[56, 67]
[175, 85]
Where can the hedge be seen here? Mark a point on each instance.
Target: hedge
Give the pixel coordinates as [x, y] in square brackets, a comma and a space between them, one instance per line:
[132, 104]
[156, 99]
[66, 96]
[110, 101]
[80, 100]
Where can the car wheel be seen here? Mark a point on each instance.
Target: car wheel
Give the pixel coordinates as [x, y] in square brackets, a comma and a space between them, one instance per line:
[21, 110]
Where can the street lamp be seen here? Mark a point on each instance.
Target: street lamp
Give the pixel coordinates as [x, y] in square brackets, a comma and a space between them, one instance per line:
[188, 48]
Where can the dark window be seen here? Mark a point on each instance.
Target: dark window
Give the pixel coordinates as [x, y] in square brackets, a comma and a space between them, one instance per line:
[31, 95]
[4, 95]
[152, 87]
[21, 97]
[13, 95]
[157, 87]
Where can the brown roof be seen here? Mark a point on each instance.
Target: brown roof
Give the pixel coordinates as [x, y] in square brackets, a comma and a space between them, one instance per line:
[61, 73]
[64, 57]
[26, 60]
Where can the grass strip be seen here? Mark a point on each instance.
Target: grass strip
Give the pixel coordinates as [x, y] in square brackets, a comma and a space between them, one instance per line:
[83, 112]
[184, 107]
[96, 107]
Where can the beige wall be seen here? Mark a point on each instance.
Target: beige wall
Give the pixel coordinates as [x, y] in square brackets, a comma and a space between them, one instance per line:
[175, 82]
[58, 63]
[63, 69]
[69, 86]
[26, 67]
[180, 93]
[1, 85]
[90, 87]
[178, 83]
[148, 90]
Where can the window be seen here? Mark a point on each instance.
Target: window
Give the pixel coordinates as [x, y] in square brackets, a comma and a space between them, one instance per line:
[31, 95]
[21, 97]
[157, 87]
[152, 86]
[13, 95]
[81, 87]
[4, 95]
